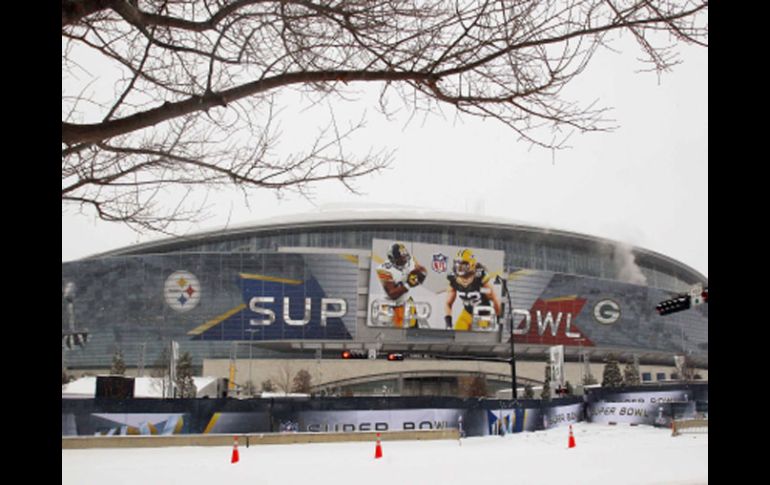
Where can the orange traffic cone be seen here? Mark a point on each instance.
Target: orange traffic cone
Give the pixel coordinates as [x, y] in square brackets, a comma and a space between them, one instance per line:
[235, 457]
[378, 448]
[571, 443]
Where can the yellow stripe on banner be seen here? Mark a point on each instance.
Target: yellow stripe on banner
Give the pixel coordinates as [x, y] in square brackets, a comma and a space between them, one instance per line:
[274, 279]
[518, 274]
[377, 259]
[562, 298]
[211, 424]
[179, 425]
[492, 276]
[351, 257]
[216, 321]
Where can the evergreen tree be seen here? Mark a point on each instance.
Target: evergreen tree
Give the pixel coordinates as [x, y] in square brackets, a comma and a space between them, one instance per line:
[612, 376]
[301, 382]
[529, 393]
[545, 394]
[118, 364]
[631, 374]
[184, 377]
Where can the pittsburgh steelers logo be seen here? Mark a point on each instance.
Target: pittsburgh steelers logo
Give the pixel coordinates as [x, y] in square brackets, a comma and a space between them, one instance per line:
[182, 291]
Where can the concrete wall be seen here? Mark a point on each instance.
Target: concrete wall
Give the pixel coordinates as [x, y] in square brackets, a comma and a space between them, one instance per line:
[331, 370]
[83, 442]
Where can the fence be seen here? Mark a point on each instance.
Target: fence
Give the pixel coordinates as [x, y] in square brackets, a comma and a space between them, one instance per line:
[473, 416]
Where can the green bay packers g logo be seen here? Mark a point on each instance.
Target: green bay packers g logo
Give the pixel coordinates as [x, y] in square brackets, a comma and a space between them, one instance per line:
[182, 291]
[607, 312]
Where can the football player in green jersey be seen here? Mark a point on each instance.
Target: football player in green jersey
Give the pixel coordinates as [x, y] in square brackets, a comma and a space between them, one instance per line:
[470, 281]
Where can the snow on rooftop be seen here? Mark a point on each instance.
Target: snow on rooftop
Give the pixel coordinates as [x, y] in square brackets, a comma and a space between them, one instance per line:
[381, 212]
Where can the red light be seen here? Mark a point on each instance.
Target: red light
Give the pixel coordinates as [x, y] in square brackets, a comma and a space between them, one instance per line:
[354, 354]
[394, 356]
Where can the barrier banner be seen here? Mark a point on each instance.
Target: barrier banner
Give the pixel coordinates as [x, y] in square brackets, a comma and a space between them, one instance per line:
[68, 425]
[504, 421]
[653, 397]
[110, 424]
[669, 411]
[658, 413]
[622, 412]
[378, 420]
[476, 417]
[563, 415]
[250, 422]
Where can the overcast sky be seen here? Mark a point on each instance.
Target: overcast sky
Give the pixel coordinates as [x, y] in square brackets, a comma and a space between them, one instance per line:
[645, 184]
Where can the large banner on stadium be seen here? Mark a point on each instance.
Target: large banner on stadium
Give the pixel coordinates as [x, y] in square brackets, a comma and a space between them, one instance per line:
[429, 286]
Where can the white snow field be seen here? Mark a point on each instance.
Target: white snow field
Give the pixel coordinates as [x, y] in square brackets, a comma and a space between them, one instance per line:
[604, 455]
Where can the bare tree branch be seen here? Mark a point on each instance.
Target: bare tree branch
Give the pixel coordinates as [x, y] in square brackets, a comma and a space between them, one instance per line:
[194, 81]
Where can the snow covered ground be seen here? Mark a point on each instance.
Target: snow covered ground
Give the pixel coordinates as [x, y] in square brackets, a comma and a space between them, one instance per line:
[604, 455]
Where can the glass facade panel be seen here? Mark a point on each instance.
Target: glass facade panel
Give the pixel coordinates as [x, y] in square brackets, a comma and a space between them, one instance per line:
[124, 303]
[522, 250]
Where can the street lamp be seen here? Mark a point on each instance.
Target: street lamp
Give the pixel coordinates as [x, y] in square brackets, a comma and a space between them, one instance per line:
[251, 346]
[507, 294]
[581, 360]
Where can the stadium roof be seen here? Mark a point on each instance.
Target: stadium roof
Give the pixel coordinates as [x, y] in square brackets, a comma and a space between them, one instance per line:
[330, 216]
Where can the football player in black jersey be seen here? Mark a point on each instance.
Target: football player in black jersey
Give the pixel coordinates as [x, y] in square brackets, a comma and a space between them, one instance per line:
[470, 281]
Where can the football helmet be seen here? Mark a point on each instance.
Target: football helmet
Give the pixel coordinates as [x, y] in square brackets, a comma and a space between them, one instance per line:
[398, 255]
[464, 263]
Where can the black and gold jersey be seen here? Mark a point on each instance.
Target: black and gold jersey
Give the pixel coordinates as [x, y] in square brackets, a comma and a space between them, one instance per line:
[473, 294]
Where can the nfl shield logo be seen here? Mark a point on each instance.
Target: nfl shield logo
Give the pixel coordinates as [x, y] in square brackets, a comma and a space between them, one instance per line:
[439, 263]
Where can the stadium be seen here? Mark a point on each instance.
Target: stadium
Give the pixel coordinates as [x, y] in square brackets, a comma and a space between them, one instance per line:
[263, 301]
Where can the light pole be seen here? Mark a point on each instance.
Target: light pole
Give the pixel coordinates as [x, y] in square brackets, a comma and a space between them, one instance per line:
[251, 347]
[581, 360]
[507, 295]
